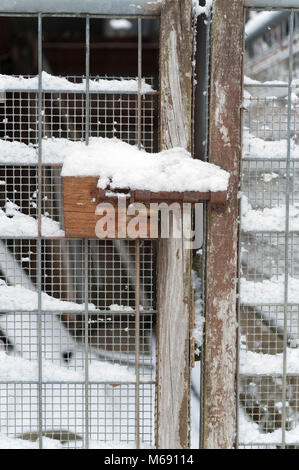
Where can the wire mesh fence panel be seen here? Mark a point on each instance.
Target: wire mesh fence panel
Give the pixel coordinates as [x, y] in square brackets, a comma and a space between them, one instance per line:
[77, 316]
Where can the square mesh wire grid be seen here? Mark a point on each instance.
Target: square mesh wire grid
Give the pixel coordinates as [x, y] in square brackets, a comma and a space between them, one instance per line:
[269, 275]
[74, 372]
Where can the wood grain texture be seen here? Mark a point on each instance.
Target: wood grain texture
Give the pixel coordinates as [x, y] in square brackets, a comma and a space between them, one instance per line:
[174, 262]
[81, 198]
[222, 226]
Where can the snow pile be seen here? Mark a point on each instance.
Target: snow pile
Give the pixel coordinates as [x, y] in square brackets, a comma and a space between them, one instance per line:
[268, 291]
[14, 223]
[267, 364]
[122, 165]
[18, 298]
[22, 370]
[51, 82]
[259, 148]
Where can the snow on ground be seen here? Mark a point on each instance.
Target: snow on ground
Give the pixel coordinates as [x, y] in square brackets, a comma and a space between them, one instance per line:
[259, 20]
[249, 432]
[122, 165]
[267, 364]
[259, 148]
[51, 82]
[268, 291]
[195, 405]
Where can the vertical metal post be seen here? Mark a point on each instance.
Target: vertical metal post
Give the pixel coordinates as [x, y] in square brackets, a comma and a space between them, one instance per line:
[287, 228]
[39, 205]
[87, 65]
[87, 72]
[137, 253]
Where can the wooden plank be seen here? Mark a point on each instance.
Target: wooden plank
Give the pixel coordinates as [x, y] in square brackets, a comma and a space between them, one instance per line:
[174, 262]
[222, 227]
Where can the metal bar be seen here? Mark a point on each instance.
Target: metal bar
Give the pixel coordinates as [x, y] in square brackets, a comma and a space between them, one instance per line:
[287, 223]
[86, 324]
[104, 7]
[39, 204]
[282, 4]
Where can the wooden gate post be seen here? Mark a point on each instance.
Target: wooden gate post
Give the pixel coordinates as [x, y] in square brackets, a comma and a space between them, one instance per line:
[174, 262]
[222, 227]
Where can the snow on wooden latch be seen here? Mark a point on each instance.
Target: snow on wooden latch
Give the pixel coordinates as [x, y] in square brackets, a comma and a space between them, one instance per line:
[110, 184]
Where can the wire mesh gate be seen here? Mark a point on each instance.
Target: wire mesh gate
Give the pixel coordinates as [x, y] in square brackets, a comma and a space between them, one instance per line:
[268, 314]
[73, 302]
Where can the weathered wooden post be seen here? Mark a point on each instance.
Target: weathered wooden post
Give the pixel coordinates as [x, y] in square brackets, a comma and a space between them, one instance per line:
[222, 227]
[174, 262]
